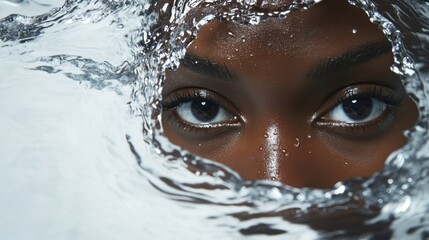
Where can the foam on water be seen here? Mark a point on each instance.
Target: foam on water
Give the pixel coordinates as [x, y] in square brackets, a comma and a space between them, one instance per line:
[84, 156]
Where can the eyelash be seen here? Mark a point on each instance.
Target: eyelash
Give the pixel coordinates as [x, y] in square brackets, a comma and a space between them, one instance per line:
[179, 97]
[190, 94]
[375, 92]
[388, 96]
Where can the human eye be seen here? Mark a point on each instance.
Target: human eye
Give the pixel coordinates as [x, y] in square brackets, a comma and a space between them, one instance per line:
[361, 111]
[358, 110]
[200, 112]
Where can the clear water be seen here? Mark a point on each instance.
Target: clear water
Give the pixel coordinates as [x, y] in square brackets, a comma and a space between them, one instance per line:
[82, 150]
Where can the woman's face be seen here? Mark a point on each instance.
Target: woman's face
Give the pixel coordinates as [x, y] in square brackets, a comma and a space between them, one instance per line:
[309, 100]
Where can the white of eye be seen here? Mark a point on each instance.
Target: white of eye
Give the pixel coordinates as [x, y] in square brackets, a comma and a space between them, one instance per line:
[184, 110]
[376, 109]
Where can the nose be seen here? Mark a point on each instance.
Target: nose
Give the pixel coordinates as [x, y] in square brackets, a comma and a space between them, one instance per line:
[271, 151]
[264, 153]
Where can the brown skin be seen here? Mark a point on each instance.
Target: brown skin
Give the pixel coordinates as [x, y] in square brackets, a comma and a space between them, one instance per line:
[278, 121]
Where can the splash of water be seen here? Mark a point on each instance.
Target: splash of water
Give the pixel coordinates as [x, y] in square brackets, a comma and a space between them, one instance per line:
[364, 198]
[152, 36]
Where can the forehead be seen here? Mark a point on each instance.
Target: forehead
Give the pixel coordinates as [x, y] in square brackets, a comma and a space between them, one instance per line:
[329, 23]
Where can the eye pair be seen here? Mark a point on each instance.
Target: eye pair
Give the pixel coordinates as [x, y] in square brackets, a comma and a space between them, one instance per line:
[202, 111]
[365, 107]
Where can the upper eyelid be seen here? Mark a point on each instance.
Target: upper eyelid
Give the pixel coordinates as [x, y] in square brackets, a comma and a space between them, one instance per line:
[386, 94]
[380, 92]
[187, 94]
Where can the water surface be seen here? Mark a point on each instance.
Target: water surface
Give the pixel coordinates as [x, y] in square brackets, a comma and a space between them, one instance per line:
[83, 156]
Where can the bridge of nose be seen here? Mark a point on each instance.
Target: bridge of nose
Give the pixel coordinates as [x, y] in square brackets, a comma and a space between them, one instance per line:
[267, 149]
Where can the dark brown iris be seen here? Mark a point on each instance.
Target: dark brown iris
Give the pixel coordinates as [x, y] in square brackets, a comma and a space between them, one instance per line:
[204, 110]
[358, 108]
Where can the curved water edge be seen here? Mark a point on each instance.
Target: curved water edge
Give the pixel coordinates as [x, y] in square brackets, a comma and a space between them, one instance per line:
[69, 43]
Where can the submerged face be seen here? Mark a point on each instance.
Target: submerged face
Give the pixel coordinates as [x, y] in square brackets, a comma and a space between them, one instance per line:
[308, 100]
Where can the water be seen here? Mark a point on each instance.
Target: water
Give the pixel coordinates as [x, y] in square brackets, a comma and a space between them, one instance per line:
[83, 155]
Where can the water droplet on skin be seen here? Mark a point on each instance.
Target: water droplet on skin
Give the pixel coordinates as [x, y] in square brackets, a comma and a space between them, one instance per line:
[199, 144]
[347, 163]
[297, 142]
[309, 152]
[285, 153]
[243, 39]
[309, 136]
[354, 30]
[230, 34]
[265, 136]
[260, 149]
[251, 54]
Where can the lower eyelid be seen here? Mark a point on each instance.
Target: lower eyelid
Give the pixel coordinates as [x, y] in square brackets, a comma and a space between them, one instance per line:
[173, 116]
[197, 132]
[364, 129]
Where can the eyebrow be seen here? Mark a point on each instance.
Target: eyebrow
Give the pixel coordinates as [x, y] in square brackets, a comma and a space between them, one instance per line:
[323, 70]
[208, 68]
[349, 59]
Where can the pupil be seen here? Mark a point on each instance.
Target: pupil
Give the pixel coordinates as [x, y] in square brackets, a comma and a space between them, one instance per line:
[358, 108]
[204, 110]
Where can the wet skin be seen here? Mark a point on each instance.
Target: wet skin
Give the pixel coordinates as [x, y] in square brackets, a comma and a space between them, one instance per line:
[309, 100]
